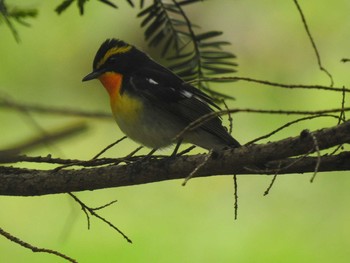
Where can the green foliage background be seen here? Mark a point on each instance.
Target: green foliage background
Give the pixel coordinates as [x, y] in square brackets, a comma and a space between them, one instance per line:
[296, 222]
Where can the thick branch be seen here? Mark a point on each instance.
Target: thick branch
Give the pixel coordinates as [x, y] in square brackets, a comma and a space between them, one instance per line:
[28, 182]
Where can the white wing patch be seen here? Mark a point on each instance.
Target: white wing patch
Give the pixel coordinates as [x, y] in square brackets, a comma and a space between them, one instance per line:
[152, 81]
[186, 93]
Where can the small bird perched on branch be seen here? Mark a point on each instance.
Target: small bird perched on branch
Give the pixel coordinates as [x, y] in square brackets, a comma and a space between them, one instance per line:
[151, 104]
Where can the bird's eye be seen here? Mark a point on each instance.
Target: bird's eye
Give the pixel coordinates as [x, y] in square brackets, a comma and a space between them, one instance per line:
[111, 60]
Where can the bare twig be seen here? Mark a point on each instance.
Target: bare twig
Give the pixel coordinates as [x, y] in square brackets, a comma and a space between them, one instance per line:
[267, 191]
[205, 118]
[272, 84]
[195, 170]
[317, 166]
[313, 43]
[229, 118]
[235, 187]
[289, 124]
[95, 158]
[342, 113]
[108, 147]
[341, 119]
[134, 152]
[34, 248]
[186, 150]
[105, 205]
[92, 211]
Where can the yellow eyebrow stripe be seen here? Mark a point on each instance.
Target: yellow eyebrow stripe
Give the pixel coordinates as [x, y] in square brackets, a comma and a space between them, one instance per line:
[111, 52]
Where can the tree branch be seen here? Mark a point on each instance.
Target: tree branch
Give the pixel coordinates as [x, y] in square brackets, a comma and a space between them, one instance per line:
[30, 182]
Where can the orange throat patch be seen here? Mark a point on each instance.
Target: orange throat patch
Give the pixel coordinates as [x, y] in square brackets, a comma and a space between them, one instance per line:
[125, 108]
[112, 82]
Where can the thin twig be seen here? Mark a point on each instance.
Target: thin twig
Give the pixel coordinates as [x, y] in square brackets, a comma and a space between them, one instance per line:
[207, 117]
[187, 150]
[280, 169]
[95, 158]
[34, 248]
[235, 186]
[318, 157]
[104, 206]
[134, 152]
[287, 125]
[92, 212]
[108, 147]
[229, 117]
[205, 160]
[8, 158]
[267, 191]
[270, 83]
[342, 113]
[313, 42]
[342, 118]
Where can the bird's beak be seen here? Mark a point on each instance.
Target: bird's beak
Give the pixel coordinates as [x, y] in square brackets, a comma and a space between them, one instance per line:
[93, 75]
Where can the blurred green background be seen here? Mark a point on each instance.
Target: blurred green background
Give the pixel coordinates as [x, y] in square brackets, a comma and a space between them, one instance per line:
[296, 222]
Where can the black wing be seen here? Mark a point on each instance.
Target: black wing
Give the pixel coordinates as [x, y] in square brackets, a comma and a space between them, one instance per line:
[167, 91]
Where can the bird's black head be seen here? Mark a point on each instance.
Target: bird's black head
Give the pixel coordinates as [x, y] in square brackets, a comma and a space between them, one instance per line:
[115, 55]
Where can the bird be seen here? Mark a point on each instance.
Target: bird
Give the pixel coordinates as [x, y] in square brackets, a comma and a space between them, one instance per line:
[151, 104]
